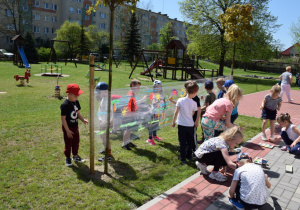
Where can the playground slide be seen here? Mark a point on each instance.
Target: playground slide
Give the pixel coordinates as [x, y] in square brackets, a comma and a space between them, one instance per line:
[152, 66]
[24, 58]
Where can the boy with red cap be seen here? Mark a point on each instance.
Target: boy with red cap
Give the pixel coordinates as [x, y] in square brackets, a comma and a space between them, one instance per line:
[69, 117]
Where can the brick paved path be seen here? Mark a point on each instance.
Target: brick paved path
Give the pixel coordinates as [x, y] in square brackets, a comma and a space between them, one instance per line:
[200, 192]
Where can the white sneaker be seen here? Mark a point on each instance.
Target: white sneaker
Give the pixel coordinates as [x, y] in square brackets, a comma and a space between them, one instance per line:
[264, 137]
[217, 176]
[201, 167]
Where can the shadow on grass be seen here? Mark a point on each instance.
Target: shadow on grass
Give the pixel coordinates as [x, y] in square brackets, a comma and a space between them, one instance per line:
[152, 156]
[98, 179]
[170, 147]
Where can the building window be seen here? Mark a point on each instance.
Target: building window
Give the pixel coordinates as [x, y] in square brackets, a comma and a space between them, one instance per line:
[102, 5]
[46, 5]
[46, 30]
[102, 15]
[54, 7]
[25, 8]
[87, 17]
[78, 0]
[79, 22]
[8, 40]
[53, 30]
[102, 25]
[78, 11]
[36, 4]
[47, 18]
[8, 13]
[36, 17]
[87, 6]
[71, 10]
[10, 27]
[71, 20]
[36, 29]
[54, 19]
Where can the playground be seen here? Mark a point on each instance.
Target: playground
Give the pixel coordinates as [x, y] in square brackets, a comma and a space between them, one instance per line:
[33, 173]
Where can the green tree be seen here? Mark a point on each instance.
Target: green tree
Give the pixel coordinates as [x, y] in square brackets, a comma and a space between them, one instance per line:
[85, 42]
[112, 4]
[237, 24]
[68, 32]
[133, 39]
[29, 49]
[100, 39]
[295, 33]
[206, 33]
[166, 34]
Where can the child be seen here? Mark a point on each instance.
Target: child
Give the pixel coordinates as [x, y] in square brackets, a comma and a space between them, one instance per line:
[290, 134]
[156, 98]
[132, 108]
[185, 109]
[215, 152]
[269, 107]
[234, 113]
[220, 82]
[101, 91]
[297, 79]
[212, 119]
[196, 115]
[249, 183]
[69, 117]
[286, 83]
[210, 96]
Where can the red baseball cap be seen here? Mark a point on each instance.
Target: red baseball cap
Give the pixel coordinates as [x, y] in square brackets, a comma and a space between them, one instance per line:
[74, 89]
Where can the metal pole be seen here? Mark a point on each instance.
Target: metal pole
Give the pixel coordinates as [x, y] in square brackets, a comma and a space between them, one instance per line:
[91, 121]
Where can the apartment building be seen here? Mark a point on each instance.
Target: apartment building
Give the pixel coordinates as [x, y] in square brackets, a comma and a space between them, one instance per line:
[44, 17]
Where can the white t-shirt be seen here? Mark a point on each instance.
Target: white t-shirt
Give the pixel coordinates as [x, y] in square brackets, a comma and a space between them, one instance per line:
[187, 107]
[292, 135]
[211, 145]
[102, 110]
[253, 184]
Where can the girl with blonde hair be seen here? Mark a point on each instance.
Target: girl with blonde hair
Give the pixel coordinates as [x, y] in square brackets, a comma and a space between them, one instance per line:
[213, 119]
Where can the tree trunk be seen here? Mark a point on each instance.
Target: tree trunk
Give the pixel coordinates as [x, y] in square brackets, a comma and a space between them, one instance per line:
[222, 56]
[233, 59]
[111, 35]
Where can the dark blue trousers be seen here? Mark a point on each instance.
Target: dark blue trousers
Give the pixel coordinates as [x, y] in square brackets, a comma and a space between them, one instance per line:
[186, 141]
[294, 150]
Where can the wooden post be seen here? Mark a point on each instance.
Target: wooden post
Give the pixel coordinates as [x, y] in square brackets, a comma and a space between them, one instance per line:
[91, 121]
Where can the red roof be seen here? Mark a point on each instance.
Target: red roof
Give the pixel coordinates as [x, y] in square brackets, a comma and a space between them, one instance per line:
[287, 51]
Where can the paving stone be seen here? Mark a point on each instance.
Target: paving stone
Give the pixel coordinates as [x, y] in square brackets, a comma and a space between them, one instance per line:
[295, 199]
[285, 179]
[277, 191]
[287, 194]
[287, 186]
[295, 181]
[296, 195]
[293, 205]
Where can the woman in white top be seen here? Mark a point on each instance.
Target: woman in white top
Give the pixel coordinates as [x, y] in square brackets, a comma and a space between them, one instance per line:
[289, 133]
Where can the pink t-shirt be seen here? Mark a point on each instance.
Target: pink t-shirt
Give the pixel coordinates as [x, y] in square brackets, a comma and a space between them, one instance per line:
[217, 109]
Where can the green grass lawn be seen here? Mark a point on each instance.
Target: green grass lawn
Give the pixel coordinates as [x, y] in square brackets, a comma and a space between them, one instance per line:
[33, 173]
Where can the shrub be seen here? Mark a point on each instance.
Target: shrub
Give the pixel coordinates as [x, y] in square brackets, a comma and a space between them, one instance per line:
[43, 53]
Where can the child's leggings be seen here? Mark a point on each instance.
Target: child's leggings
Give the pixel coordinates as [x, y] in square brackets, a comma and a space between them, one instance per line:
[214, 158]
[209, 126]
[154, 126]
[294, 150]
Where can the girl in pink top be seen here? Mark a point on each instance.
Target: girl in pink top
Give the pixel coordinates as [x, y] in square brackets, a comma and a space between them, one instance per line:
[213, 118]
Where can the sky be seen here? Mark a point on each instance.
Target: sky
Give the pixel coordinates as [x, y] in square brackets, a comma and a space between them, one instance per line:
[287, 12]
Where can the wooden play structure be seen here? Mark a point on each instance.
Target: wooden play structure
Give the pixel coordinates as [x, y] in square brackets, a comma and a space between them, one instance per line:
[171, 61]
[20, 58]
[53, 57]
[51, 70]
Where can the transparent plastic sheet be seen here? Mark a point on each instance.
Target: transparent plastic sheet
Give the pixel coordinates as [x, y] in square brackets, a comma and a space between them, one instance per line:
[153, 110]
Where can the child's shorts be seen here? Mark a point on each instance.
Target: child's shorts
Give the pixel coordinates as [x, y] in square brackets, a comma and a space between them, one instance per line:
[268, 114]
